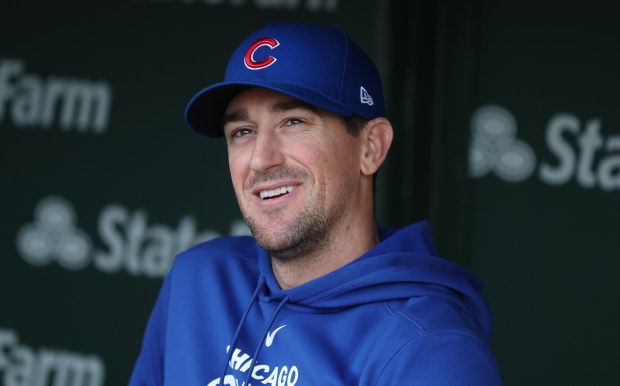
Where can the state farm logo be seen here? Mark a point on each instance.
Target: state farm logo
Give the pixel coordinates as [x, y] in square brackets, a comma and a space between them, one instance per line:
[32, 101]
[54, 236]
[129, 242]
[580, 152]
[21, 364]
[494, 146]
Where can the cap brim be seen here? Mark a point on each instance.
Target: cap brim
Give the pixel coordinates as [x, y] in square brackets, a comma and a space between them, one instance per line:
[205, 111]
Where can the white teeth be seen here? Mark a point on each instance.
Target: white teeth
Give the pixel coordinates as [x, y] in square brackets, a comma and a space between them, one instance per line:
[275, 192]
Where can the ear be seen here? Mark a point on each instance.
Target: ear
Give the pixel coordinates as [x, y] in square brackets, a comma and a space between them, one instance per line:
[377, 139]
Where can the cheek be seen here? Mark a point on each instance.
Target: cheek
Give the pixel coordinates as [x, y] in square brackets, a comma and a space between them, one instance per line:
[238, 170]
[346, 155]
[347, 165]
[336, 167]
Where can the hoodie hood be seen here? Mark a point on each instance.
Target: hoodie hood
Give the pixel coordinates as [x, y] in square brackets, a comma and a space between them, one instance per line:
[403, 265]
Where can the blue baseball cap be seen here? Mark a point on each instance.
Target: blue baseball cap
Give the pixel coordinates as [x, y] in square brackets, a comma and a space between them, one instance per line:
[318, 65]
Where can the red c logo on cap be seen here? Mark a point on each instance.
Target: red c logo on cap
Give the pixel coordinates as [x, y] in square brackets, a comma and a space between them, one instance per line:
[249, 61]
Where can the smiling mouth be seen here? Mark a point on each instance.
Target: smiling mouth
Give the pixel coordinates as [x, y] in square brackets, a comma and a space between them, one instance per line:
[277, 192]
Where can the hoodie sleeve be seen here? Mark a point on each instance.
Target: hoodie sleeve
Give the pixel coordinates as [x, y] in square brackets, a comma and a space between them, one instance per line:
[443, 358]
[149, 367]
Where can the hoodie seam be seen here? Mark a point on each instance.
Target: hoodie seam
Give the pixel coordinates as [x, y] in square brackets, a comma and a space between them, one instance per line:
[422, 329]
[433, 331]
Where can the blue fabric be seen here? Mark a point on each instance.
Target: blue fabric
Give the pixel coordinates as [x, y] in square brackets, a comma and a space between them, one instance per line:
[316, 64]
[398, 315]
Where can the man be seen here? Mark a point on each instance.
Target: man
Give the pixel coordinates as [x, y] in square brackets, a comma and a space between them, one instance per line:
[320, 295]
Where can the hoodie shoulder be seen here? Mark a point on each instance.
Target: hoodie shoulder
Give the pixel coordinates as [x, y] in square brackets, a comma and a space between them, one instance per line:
[440, 345]
[449, 358]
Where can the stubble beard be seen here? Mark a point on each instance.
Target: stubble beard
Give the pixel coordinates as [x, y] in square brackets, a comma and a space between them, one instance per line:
[304, 235]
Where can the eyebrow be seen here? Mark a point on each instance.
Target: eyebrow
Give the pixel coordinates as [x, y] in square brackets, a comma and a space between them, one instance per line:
[293, 105]
[234, 116]
[242, 115]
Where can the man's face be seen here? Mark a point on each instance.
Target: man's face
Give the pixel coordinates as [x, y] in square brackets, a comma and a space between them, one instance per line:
[294, 168]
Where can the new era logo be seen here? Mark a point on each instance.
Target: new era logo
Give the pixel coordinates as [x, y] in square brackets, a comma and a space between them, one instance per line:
[365, 97]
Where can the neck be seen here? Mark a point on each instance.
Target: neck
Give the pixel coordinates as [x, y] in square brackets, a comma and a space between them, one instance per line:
[344, 246]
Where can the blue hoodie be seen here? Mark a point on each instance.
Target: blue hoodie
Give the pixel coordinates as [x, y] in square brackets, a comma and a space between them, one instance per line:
[397, 315]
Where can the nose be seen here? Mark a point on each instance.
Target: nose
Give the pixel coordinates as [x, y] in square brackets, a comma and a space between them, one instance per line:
[267, 152]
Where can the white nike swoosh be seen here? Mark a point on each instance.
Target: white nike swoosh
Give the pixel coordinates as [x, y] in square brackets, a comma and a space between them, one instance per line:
[271, 335]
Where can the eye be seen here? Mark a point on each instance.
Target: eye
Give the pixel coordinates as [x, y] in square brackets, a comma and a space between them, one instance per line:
[240, 132]
[294, 121]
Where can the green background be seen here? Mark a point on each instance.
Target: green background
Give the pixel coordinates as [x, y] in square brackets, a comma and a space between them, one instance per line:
[548, 254]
